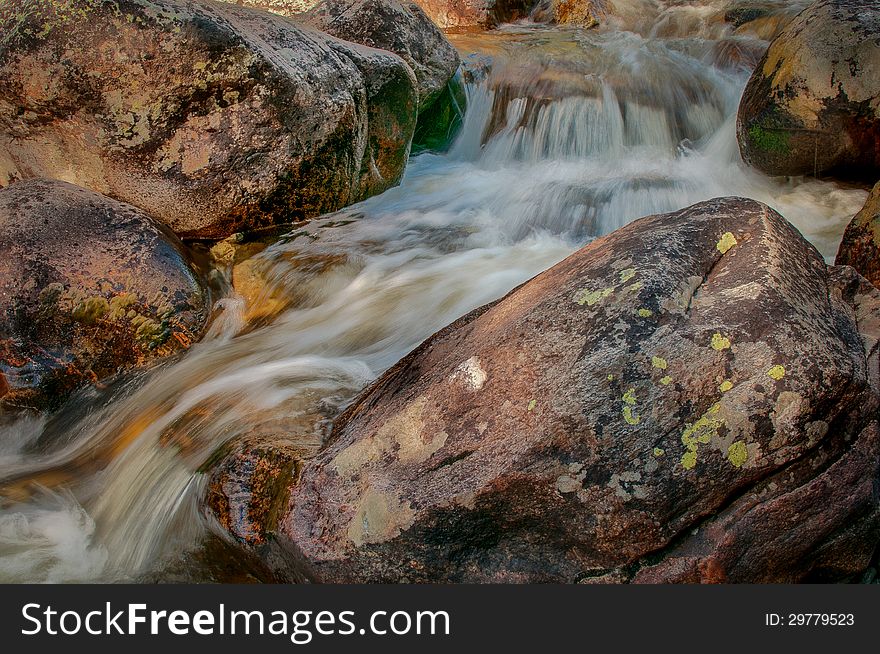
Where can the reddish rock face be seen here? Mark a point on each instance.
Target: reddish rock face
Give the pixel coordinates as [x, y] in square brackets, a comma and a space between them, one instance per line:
[692, 398]
[210, 117]
[88, 287]
[860, 247]
[812, 106]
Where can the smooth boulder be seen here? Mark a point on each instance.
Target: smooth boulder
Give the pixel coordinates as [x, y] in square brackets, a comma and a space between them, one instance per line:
[691, 398]
[211, 117]
[89, 287]
[860, 247]
[812, 105]
[402, 29]
[475, 14]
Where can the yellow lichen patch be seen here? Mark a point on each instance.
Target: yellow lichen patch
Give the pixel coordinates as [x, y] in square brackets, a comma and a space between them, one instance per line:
[659, 451]
[634, 287]
[626, 275]
[700, 433]
[725, 386]
[738, 453]
[629, 401]
[776, 372]
[588, 297]
[645, 313]
[726, 242]
[720, 342]
[532, 405]
[659, 363]
[610, 377]
[689, 459]
[666, 380]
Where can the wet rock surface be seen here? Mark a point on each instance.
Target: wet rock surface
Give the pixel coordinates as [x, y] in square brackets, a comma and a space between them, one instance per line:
[211, 117]
[860, 247]
[812, 105]
[692, 398]
[89, 287]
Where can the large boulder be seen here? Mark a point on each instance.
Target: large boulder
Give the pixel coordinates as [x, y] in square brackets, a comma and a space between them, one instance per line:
[579, 13]
[812, 106]
[89, 287]
[692, 398]
[860, 247]
[211, 117]
[402, 29]
[475, 14]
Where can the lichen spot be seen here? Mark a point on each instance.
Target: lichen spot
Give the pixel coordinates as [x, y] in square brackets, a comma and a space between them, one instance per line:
[532, 405]
[776, 372]
[626, 275]
[725, 386]
[666, 380]
[629, 400]
[659, 451]
[689, 459]
[645, 313]
[471, 373]
[738, 454]
[610, 377]
[720, 342]
[588, 297]
[727, 241]
[659, 363]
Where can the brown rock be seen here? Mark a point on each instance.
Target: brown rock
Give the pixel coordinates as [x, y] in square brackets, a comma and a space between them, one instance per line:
[812, 106]
[211, 117]
[860, 247]
[631, 414]
[475, 14]
[89, 287]
[389, 25]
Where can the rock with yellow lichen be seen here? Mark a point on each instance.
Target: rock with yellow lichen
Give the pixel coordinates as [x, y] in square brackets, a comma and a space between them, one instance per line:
[729, 432]
[211, 117]
[812, 106]
[860, 247]
[89, 287]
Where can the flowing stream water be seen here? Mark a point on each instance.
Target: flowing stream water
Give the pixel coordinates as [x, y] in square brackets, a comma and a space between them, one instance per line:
[568, 135]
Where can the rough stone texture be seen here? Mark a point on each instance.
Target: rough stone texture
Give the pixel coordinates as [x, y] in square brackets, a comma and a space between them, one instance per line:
[581, 13]
[812, 105]
[403, 29]
[475, 14]
[860, 247]
[667, 404]
[211, 117]
[88, 287]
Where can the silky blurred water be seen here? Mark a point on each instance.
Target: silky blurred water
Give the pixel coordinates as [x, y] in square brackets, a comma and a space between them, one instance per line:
[570, 135]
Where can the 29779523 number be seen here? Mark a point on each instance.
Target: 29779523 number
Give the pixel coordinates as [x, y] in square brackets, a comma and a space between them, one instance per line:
[809, 619]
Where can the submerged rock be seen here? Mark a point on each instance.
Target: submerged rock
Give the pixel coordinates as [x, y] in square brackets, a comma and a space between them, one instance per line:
[89, 287]
[812, 106]
[692, 398]
[211, 117]
[860, 247]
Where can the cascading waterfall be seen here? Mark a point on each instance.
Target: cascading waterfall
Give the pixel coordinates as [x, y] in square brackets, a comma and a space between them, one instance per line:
[569, 136]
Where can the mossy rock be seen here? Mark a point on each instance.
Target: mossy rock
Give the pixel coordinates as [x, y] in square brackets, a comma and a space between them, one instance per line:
[89, 287]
